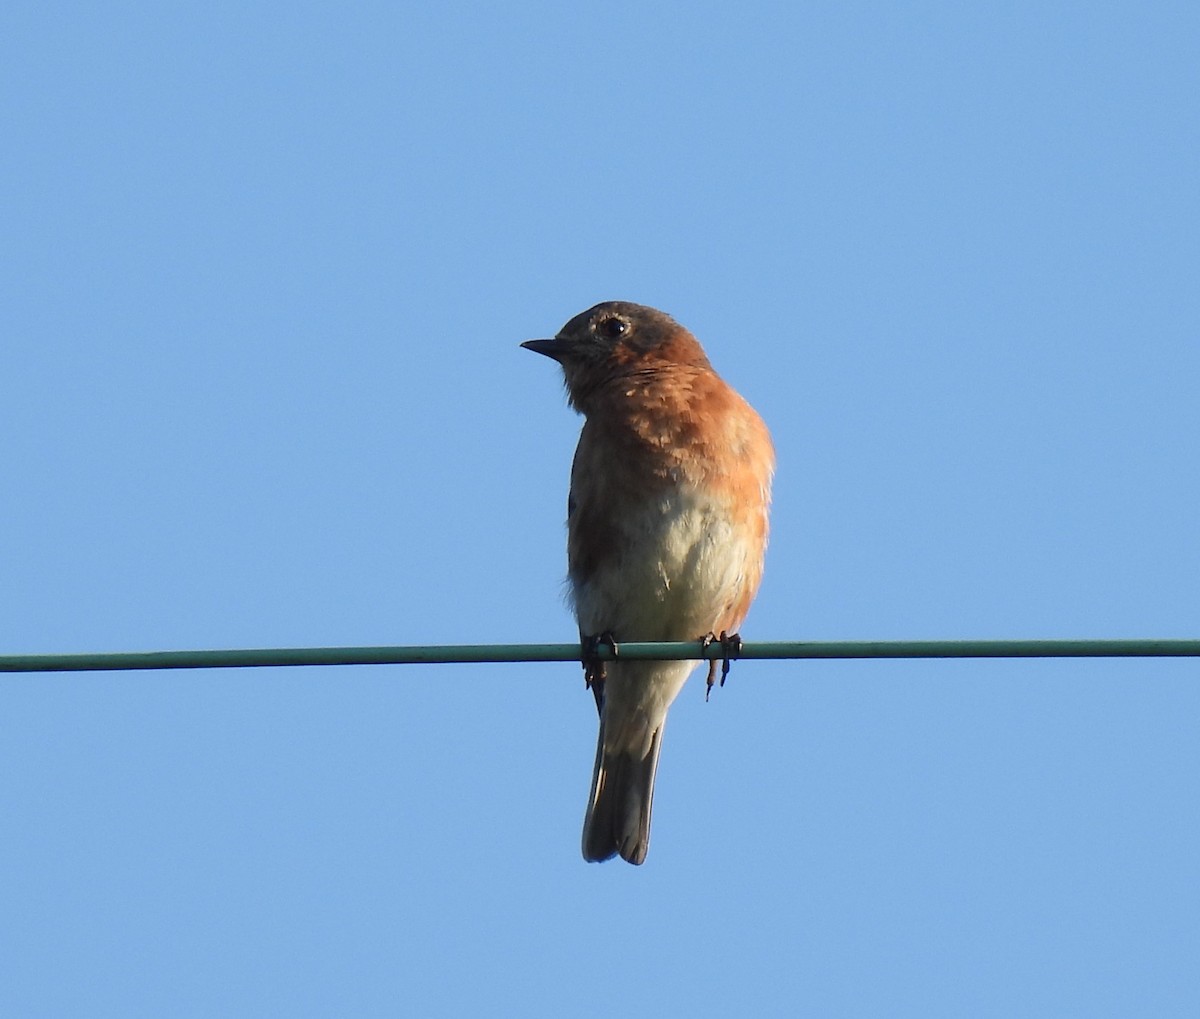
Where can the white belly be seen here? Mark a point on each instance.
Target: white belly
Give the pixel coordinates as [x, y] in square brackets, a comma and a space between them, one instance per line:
[678, 567]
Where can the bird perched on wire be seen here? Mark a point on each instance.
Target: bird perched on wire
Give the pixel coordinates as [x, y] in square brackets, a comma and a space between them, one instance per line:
[667, 526]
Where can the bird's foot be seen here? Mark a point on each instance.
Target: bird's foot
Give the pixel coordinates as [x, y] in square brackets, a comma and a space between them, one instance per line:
[594, 670]
[731, 647]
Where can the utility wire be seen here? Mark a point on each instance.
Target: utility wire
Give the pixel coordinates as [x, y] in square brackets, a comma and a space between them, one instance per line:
[639, 650]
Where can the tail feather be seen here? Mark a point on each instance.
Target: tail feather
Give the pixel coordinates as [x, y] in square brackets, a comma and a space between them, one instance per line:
[618, 815]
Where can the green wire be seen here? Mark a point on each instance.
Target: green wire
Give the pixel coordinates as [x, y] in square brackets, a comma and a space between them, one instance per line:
[668, 651]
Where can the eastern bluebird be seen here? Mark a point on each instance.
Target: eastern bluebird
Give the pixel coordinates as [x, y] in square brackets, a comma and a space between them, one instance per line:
[667, 526]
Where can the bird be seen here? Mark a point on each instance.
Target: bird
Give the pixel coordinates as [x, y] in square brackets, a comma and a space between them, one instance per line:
[667, 523]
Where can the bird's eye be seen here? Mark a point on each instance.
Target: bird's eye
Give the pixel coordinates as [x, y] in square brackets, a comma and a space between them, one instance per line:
[611, 328]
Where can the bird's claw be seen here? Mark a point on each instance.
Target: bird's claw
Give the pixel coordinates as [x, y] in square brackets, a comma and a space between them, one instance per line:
[594, 670]
[731, 647]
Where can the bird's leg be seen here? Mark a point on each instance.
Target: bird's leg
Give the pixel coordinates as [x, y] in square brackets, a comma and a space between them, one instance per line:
[706, 643]
[594, 670]
[731, 646]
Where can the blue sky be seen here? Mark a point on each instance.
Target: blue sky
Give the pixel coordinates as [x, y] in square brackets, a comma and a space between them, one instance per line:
[265, 272]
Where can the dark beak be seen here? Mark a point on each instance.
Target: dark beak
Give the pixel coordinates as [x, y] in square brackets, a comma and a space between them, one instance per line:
[551, 348]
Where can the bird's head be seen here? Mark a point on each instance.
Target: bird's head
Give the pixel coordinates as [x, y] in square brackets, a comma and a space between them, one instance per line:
[614, 340]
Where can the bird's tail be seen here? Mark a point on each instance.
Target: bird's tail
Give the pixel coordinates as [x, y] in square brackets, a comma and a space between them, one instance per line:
[618, 814]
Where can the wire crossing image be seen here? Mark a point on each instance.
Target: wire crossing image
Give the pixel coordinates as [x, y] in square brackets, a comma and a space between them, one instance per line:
[241, 658]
